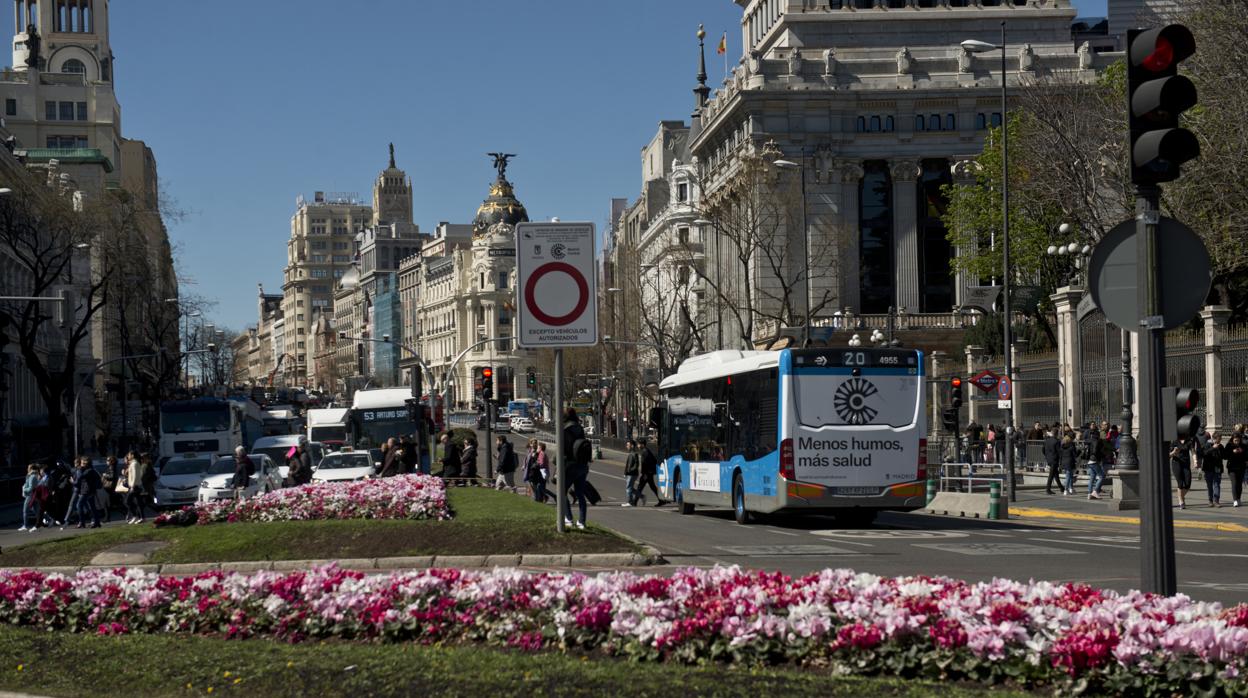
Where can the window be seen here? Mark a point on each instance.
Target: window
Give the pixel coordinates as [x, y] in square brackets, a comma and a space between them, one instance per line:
[340, 245]
[342, 259]
[318, 245]
[504, 317]
[875, 124]
[920, 123]
[996, 119]
[320, 303]
[82, 110]
[862, 124]
[682, 235]
[933, 122]
[10, 107]
[49, 111]
[502, 280]
[75, 66]
[682, 192]
[981, 121]
[299, 317]
[951, 122]
[875, 215]
[935, 252]
[67, 142]
[318, 259]
[301, 344]
[322, 274]
[67, 111]
[888, 124]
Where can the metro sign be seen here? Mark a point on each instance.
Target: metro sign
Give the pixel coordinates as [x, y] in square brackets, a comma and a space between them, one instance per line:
[986, 381]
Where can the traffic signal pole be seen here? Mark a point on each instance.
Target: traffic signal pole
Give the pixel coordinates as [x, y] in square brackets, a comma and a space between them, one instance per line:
[1157, 566]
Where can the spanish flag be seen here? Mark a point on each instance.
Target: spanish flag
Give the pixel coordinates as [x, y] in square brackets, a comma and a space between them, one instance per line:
[723, 44]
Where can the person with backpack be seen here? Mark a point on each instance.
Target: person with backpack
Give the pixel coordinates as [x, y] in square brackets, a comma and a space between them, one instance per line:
[505, 456]
[578, 451]
[632, 473]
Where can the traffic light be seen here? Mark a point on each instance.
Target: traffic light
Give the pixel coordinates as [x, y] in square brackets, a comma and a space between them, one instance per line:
[949, 419]
[532, 379]
[487, 383]
[1157, 95]
[1179, 416]
[955, 393]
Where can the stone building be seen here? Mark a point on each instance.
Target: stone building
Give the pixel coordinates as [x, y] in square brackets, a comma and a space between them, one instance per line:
[877, 104]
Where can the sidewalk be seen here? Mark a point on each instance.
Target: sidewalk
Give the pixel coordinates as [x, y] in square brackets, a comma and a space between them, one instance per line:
[1035, 504]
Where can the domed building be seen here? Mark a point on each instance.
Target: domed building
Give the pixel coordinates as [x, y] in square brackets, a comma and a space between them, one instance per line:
[501, 206]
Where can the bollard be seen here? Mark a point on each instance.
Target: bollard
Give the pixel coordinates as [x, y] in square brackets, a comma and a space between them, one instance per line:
[931, 490]
[994, 500]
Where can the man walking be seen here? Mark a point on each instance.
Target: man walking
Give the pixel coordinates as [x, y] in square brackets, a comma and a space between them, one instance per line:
[632, 473]
[1096, 456]
[575, 446]
[243, 468]
[1051, 448]
[649, 468]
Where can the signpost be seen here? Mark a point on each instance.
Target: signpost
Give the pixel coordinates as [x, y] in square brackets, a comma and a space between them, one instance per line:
[986, 381]
[557, 298]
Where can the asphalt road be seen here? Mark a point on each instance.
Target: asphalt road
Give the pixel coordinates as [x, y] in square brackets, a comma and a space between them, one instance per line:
[1212, 565]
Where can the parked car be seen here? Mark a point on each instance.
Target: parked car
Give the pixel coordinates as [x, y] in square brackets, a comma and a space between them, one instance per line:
[178, 483]
[220, 481]
[522, 425]
[342, 467]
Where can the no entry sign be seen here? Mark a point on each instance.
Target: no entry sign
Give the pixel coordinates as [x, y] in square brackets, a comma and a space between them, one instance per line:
[556, 285]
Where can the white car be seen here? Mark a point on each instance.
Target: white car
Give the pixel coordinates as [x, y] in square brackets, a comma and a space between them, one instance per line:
[219, 484]
[344, 467]
[178, 483]
[522, 425]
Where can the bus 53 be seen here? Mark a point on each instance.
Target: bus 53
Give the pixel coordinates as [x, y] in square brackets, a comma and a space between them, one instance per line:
[837, 431]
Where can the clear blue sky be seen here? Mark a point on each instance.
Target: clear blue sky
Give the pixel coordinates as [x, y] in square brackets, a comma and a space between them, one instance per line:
[249, 104]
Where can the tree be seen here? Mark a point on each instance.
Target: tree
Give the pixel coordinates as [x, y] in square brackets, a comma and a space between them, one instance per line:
[49, 238]
[758, 280]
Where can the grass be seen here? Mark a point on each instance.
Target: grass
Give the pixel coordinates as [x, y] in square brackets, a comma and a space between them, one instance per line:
[64, 664]
[486, 522]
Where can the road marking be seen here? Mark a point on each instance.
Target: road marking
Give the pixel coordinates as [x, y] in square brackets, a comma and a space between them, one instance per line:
[783, 550]
[1234, 586]
[1035, 513]
[996, 549]
[1082, 542]
[889, 535]
[783, 533]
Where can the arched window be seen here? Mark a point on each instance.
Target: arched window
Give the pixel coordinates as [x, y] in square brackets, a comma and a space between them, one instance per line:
[862, 124]
[920, 123]
[74, 65]
[875, 235]
[875, 124]
[951, 122]
[933, 122]
[996, 119]
[981, 121]
[888, 124]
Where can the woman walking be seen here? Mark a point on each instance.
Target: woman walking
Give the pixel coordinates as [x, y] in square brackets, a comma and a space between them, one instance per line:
[30, 506]
[1211, 466]
[1236, 459]
[1181, 468]
[136, 476]
[539, 475]
[1067, 456]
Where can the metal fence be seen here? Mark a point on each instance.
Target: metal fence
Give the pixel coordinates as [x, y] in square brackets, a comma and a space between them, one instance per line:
[1235, 376]
[1185, 362]
[1039, 389]
[1100, 364]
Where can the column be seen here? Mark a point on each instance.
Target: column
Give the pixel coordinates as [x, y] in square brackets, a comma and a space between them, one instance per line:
[1215, 318]
[1066, 302]
[851, 174]
[938, 359]
[905, 234]
[964, 175]
[972, 405]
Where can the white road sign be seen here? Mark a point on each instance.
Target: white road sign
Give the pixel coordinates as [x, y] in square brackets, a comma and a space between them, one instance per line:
[556, 285]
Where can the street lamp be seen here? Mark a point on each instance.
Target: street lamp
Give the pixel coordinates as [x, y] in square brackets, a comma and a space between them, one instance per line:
[975, 46]
[790, 165]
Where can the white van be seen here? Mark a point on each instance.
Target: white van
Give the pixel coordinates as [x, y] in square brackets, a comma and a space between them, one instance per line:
[276, 448]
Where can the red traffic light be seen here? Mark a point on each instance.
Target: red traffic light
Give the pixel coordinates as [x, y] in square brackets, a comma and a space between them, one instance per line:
[955, 382]
[1158, 50]
[487, 373]
[1187, 399]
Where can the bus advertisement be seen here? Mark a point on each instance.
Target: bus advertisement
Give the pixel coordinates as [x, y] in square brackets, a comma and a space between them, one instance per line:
[838, 431]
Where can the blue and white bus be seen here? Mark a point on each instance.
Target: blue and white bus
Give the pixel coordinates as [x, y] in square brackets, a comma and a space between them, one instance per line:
[838, 431]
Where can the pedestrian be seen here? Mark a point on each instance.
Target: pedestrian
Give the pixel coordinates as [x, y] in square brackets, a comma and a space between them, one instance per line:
[468, 461]
[450, 459]
[1236, 458]
[1200, 444]
[505, 456]
[72, 510]
[60, 491]
[632, 473]
[1095, 461]
[392, 458]
[540, 493]
[301, 470]
[975, 439]
[88, 485]
[1051, 448]
[30, 505]
[410, 456]
[243, 469]
[1211, 466]
[649, 469]
[112, 476]
[991, 452]
[530, 464]
[136, 475]
[575, 446]
[1068, 457]
[1181, 468]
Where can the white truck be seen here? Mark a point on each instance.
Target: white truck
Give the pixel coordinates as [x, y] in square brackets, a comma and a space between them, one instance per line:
[328, 426]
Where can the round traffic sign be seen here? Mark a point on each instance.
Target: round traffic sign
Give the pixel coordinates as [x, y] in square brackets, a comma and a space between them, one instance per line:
[1004, 388]
[1183, 275]
[530, 294]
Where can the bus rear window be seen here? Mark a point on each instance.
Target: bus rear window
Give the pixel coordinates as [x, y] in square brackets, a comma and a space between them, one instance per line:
[823, 399]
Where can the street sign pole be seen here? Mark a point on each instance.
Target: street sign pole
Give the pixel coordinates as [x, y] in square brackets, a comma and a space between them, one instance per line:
[561, 471]
[1157, 567]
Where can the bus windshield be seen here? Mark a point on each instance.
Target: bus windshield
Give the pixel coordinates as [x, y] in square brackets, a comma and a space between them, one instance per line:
[208, 419]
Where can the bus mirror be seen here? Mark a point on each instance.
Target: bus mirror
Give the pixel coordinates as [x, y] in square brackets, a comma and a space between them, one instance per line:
[658, 415]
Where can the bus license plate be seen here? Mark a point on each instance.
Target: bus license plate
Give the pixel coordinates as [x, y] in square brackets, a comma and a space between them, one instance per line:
[857, 491]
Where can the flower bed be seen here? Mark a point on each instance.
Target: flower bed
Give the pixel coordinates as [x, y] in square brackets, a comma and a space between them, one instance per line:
[402, 497]
[1070, 637]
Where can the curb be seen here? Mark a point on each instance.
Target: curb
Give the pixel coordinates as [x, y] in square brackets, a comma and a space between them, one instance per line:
[648, 557]
[1035, 513]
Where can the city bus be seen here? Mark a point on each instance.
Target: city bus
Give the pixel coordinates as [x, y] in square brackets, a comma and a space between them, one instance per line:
[836, 431]
[377, 415]
[208, 425]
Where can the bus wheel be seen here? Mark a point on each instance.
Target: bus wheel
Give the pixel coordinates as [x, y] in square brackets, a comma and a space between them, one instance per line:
[678, 493]
[858, 518]
[738, 501]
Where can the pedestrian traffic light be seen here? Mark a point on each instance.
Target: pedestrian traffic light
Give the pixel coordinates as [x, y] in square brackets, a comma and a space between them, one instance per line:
[487, 383]
[1179, 418]
[1157, 96]
[955, 393]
